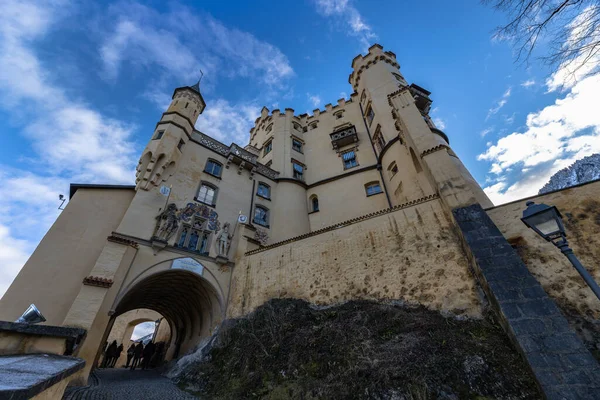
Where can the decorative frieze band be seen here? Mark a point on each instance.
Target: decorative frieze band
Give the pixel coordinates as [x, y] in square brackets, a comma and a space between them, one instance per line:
[348, 222]
[97, 281]
[120, 240]
[434, 149]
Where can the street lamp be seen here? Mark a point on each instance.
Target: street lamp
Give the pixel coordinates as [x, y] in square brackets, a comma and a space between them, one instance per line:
[546, 221]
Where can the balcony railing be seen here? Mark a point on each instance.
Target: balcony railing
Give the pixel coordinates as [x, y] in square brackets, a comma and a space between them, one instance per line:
[344, 137]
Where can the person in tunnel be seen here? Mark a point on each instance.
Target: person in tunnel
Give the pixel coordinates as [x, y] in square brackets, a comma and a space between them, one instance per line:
[130, 352]
[109, 354]
[148, 353]
[137, 355]
[117, 354]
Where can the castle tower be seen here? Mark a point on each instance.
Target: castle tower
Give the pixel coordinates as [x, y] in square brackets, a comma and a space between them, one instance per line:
[413, 153]
[159, 158]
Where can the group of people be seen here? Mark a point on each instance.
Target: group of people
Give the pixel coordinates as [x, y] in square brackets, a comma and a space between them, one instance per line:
[137, 355]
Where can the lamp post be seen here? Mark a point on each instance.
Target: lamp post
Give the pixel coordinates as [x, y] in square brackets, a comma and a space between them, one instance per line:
[546, 221]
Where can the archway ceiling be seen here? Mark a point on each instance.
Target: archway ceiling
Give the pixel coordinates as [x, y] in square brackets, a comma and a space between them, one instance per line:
[179, 295]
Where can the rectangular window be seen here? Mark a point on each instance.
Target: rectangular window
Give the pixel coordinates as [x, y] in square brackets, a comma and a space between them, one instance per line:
[298, 171]
[373, 188]
[180, 145]
[261, 216]
[370, 115]
[213, 168]
[268, 148]
[159, 135]
[194, 240]
[349, 159]
[297, 145]
[264, 191]
[206, 194]
[379, 139]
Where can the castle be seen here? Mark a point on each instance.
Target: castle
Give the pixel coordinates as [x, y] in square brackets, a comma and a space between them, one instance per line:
[364, 199]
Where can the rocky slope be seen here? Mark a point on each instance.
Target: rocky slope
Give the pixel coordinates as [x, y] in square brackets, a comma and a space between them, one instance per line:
[581, 171]
[288, 349]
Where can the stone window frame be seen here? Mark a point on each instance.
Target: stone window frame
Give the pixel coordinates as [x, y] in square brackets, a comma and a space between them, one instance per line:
[314, 203]
[215, 162]
[267, 147]
[189, 229]
[159, 134]
[339, 114]
[269, 128]
[363, 96]
[370, 114]
[297, 126]
[313, 125]
[268, 195]
[353, 151]
[371, 184]
[300, 141]
[294, 171]
[264, 223]
[379, 139]
[215, 194]
[392, 169]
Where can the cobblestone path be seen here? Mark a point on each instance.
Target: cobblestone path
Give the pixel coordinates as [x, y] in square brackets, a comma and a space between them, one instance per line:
[121, 383]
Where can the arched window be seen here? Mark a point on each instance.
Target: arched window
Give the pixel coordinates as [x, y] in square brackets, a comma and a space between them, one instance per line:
[373, 188]
[392, 169]
[415, 160]
[263, 190]
[261, 216]
[214, 168]
[314, 203]
[207, 194]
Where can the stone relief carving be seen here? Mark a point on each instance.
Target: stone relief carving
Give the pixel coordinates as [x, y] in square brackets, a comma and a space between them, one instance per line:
[223, 241]
[262, 236]
[167, 223]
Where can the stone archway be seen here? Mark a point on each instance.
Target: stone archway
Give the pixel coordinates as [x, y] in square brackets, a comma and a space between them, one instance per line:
[189, 303]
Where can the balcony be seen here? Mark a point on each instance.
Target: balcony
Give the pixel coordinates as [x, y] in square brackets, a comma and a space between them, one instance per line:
[422, 100]
[343, 137]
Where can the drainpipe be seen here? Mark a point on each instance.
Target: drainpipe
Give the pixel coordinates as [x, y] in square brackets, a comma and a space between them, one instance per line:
[387, 196]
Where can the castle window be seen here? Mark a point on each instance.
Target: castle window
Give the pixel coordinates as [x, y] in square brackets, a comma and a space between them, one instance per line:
[304, 129]
[261, 216]
[379, 139]
[313, 126]
[314, 203]
[339, 114]
[194, 238]
[186, 105]
[180, 145]
[363, 96]
[263, 190]
[349, 158]
[269, 128]
[213, 168]
[373, 188]
[158, 135]
[297, 145]
[268, 148]
[298, 170]
[370, 115]
[398, 77]
[392, 169]
[297, 127]
[207, 194]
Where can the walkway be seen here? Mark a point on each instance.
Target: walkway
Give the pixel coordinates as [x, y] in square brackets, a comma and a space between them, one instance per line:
[121, 383]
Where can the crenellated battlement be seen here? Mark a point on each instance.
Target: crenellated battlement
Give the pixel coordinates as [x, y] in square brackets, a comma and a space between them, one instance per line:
[360, 63]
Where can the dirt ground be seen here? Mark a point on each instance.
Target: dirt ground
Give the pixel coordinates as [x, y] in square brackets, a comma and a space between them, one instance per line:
[288, 349]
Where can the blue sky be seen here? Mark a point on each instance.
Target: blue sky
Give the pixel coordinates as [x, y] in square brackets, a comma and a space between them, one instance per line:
[82, 85]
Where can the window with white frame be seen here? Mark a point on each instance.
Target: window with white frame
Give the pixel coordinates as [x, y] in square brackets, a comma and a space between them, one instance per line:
[349, 158]
[194, 238]
[297, 145]
[298, 170]
[213, 168]
[207, 194]
[370, 115]
[268, 147]
[261, 216]
[264, 190]
[373, 188]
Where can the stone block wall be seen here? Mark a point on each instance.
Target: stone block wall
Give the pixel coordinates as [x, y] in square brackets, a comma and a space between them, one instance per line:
[562, 365]
[411, 253]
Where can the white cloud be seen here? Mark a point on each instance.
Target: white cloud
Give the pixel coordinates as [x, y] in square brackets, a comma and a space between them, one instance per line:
[439, 123]
[501, 103]
[554, 137]
[345, 13]
[528, 83]
[315, 99]
[228, 123]
[182, 42]
[486, 131]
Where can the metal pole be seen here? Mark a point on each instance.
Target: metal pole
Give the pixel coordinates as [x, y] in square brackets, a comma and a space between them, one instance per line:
[567, 251]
